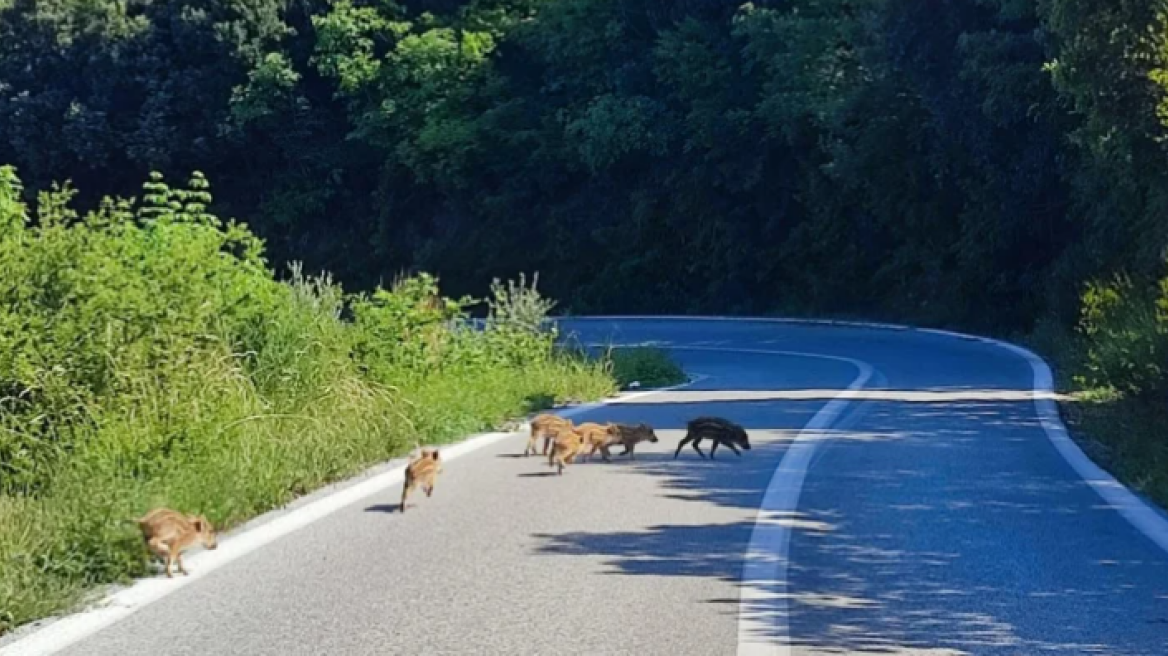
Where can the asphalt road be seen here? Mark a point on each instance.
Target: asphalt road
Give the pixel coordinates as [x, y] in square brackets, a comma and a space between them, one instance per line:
[934, 517]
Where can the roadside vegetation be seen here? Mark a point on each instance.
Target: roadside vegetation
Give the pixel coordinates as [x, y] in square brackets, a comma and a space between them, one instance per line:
[645, 366]
[149, 356]
[1114, 369]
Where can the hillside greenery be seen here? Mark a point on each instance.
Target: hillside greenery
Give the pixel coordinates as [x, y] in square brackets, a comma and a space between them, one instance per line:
[971, 163]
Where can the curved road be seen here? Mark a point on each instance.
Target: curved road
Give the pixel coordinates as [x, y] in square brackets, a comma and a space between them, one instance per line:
[923, 512]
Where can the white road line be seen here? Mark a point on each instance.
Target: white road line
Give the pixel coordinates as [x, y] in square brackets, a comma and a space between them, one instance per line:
[682, 317]
[70, 629]
[1145, 518]
[1139, 513]
[762, 602]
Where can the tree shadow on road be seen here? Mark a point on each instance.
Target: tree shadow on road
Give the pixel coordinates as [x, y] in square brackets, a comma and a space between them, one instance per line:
[920, 557]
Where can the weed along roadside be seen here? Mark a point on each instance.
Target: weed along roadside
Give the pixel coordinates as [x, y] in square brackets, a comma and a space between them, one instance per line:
[150, 357]
[644, 367]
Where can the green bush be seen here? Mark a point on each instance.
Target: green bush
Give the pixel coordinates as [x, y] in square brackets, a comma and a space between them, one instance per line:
[650, 367]
[1124, 327]
[149, 356]
[1116, 411]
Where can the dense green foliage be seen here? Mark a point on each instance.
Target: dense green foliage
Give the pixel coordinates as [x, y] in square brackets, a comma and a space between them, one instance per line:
[968, 162]
[149, 356]
[1115, 368]
[1125, 331]
[644, 366]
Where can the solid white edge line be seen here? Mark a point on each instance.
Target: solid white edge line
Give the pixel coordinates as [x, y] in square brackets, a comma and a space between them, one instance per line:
[762, 602]
[1138, 512]
[763, 628]
[1142, 516]
[72, 628]
[681, 317]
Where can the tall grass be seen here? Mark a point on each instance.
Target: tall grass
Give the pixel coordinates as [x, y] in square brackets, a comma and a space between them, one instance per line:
[148, 355]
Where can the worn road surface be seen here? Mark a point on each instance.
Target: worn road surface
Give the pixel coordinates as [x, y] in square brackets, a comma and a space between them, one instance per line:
[933, 517]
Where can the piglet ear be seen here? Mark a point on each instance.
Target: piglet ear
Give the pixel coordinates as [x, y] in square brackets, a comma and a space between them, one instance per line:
[199, 525]
[434, 454]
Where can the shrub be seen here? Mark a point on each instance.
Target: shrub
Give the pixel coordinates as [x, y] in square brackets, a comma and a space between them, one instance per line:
[1125, 330]
[650, 367]
[149, 356]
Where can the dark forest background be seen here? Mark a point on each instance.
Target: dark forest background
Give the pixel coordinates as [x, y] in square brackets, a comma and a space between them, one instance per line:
[971, 163]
